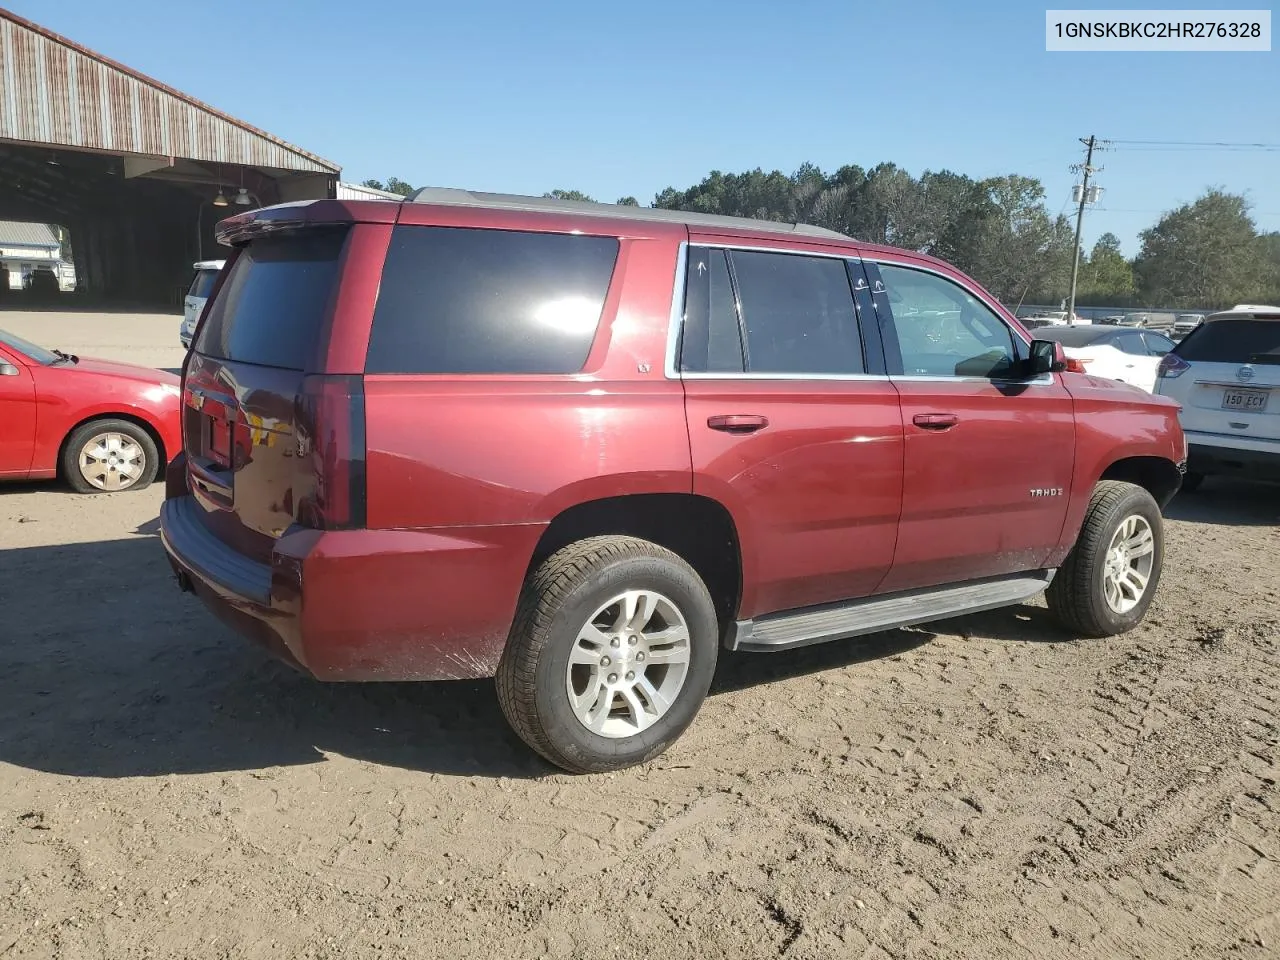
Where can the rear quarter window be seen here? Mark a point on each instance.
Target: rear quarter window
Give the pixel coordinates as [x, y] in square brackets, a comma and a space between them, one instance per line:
[465, 301]
[273, 307]
[1233, 341]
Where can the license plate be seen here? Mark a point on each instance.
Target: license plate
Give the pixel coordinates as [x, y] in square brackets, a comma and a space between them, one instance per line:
[220, 441]
[1252, 401]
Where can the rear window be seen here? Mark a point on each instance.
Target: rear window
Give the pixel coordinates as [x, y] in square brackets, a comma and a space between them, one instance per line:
[1233, 341]
[271, 310]
[202, 285]
[457, 300]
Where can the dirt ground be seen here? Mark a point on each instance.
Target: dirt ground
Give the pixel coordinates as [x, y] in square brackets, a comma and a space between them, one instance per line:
[987, 787]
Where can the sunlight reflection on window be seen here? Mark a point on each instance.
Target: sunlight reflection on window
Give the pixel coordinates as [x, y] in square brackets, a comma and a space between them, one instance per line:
[573, 315]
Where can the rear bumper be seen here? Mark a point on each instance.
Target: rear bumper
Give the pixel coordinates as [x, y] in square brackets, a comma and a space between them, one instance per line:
[1250, 458]
[361, 604]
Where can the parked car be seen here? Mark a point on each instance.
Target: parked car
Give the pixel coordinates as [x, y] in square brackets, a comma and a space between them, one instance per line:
[1185, 323]
[193, 305]
[102, 426]
[1226, 376]
[580, 446]
[1130, 356]
[42, 282]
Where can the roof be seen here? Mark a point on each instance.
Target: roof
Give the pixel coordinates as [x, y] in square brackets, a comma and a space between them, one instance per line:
[1080, 335]
[1244, 310]
[60, 93]
[448, 196]
[15, 233]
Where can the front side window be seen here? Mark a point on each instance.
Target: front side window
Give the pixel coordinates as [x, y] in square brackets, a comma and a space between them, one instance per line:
[945, 331]
[1157, 344]
[797, 314]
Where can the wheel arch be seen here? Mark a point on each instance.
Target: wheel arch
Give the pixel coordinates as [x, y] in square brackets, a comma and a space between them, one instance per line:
[129, 417]
[698, 529]
[1159, 476]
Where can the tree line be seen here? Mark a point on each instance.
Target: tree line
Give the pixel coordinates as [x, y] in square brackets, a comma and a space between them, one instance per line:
[999, 230]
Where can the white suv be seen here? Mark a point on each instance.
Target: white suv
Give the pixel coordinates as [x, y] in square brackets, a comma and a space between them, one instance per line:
[1226, 375]
[206, 273]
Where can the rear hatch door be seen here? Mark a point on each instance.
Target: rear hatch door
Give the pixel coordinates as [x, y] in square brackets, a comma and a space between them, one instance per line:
[1233, 386]
[245, 428]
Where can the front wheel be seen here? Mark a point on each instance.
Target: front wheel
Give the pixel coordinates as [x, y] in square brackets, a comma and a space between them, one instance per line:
[109, 456]
[1111, 574]
[610, 656]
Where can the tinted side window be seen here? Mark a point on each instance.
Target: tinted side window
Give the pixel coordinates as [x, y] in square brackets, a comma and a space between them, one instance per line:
[711, 341]
[273, 306]
[459, 301]
[943, 330]
[798, 314]
[1131, 343]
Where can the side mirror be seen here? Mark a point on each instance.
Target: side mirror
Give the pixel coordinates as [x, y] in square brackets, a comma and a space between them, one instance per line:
[1047, 356]
[7, 369]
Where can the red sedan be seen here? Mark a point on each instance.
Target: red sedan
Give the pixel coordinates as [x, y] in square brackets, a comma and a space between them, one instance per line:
[101, 426]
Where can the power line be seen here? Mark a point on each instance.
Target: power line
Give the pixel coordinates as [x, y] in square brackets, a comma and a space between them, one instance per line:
[1192, 145]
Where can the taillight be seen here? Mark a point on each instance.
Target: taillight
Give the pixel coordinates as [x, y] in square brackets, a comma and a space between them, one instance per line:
[1171, 365]
[331, 449]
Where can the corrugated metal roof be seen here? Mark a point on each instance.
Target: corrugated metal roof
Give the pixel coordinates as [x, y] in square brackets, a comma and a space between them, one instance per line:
[358, 191]
[13, 233]
[54, 91]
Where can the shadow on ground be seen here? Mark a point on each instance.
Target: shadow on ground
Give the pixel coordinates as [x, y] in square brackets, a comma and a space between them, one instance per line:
[107, 670]
[1229, 502]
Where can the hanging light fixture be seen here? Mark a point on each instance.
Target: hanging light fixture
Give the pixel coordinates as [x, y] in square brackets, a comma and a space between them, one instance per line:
[242, 198]
[221, 199]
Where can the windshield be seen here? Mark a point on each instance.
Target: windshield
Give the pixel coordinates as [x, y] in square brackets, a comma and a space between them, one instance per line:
[32, 351]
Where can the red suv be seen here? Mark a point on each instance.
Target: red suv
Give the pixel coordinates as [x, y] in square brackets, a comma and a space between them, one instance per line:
[579, 447]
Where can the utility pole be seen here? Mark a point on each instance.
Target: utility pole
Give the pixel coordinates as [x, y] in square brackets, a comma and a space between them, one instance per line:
[1088, 170]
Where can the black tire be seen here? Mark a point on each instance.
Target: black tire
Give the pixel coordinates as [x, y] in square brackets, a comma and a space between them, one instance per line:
[146, 467]
[1077, 595]
[1191, 482]
[558, 601]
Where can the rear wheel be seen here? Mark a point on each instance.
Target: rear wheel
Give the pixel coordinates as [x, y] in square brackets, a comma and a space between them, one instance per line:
[610, 656]
[1111, 574]
[109, 456]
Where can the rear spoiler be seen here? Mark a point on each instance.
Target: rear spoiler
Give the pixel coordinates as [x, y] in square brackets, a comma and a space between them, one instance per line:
[240, 229]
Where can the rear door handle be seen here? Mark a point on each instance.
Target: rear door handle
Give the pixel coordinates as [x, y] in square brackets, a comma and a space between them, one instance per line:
[738, 422]
[935, 421]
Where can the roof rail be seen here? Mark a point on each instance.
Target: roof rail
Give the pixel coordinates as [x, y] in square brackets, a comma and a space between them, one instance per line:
[452, 196]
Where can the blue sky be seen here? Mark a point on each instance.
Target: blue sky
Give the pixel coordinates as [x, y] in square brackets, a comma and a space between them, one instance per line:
[614, 97]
